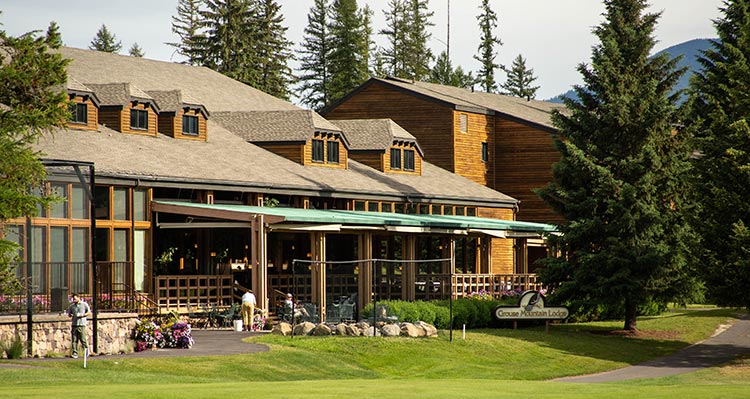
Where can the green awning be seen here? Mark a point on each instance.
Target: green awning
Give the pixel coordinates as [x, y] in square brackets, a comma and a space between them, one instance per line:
[354, 219]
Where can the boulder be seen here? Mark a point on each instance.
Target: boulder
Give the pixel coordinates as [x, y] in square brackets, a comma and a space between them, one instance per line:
[353, 331]
[429, 329]
[303, 328]
[341, 329]
[282, 328]
[391, 330]
[411, 331]
[321, 330]
[363, 325]
[370, 332]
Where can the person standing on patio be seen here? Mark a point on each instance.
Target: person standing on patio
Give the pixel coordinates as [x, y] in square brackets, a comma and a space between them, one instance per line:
[78, 310]
[248, 309]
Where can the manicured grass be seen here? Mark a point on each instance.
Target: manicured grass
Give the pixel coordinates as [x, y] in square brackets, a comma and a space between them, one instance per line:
[489, 363]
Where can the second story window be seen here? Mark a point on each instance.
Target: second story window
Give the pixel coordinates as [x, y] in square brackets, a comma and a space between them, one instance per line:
[485, 153]
[318, 151]
[138, 119]
[79, 113]
[409, 160]
[190, 125]
[333, 151]
[396, 158]
[463, 122]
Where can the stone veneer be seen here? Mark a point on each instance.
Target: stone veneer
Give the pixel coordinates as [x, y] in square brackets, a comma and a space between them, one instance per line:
[51, 333]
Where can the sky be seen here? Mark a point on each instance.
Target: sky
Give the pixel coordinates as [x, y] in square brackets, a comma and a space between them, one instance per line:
[554, 36]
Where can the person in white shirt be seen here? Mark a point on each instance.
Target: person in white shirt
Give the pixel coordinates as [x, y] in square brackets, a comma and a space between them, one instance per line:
[248, 309]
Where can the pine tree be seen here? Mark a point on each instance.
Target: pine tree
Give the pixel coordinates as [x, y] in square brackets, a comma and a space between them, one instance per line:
[105, 41]
[314, 59]
[30, 79]
[136, 51]
[349, 48]
[487, 23]
[395, 55]
[443, 73]
[620, 182]
[186, 25]
[719, 116]
[520, 79]
[273, 51]
[407, 55]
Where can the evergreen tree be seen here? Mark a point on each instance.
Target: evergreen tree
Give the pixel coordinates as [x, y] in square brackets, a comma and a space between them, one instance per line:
[443, 73]
[136, 51]
[620, 183]
[349, 48]
[105, 41]
[395, 55]
[407, 55]
[719, 117]
[487, 23]
[32, 103]
[186, 24]
[520, 80]
[273, 51]
[314, 59]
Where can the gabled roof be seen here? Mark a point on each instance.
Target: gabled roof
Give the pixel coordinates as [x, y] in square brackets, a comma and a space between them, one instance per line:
[375, 134]
[276, 126]
[530, 112]
[121, 94]
[175, 100]
[77, 88]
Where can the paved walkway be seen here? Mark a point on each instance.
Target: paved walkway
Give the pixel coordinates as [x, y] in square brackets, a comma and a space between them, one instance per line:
[714, 351]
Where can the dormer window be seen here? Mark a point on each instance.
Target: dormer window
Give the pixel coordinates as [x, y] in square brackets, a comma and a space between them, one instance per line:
[318, 151]
[79, 113]
[409, 160]
[396, 158]
[139, 119]
[190, 125]
[333, 151]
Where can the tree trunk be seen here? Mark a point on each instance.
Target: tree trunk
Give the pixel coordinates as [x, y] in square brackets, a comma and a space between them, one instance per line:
[630, 316]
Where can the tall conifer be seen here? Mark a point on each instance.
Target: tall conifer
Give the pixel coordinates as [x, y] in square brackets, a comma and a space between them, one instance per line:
[105, 41]
[186, 25]
[520, 80]
[349, 48]
[486, 56]
[620, 182]
[273, 51]
[314, 58]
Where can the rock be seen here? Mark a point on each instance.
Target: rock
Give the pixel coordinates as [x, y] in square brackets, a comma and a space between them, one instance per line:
[282, 328]
[411, 331]
[371, 332]
[429, 329]
[363, 325]
[341, 329]
[321, 330]
[390, 330]
[353, 331]
[303, 328]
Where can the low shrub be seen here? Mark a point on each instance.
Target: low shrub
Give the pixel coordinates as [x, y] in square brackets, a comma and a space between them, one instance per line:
[15, 349]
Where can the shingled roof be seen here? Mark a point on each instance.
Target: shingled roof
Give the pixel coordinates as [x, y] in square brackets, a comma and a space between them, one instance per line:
[75, 87]
[374, 134]
[175, 100]
[278, 126]
[119, 94]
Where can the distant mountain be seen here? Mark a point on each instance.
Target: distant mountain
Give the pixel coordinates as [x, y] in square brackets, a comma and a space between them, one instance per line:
[690, 51]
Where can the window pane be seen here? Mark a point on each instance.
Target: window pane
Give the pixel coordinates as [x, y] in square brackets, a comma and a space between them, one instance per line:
[14, 233]
[120, 205]
[317, 150]
[424, 209]
[58, 257]
[372, 206]
[471, 211]
[386, 207]
[39, 259]
[333, 151]
[408, 159]
[447, 210]
[190, 125]
[139, 205]
[139, 262]
[359, 205]
[460, 210]
[79, 270]
[463, 120]
[484, 152]
[138, 119]
[395, 158]
[119, 269]
[437, 209]
[101, 202]
[59, 209]
[400, 208]
[79, 202]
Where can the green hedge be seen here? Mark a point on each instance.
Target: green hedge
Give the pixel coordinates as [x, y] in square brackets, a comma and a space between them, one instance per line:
[474, 313]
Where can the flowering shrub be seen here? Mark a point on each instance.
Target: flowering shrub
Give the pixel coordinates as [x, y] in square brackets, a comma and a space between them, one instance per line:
[149, 335]
[17, 303]
[481, 295]
[259, 322]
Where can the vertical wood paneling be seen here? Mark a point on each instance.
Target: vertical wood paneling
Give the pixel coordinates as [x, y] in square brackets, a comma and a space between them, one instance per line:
[92, 114]
[152, 120]
[468, 146]
[110, 117]
[502, 248]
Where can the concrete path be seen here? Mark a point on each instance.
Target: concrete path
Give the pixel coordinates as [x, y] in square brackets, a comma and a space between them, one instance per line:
[714, 351]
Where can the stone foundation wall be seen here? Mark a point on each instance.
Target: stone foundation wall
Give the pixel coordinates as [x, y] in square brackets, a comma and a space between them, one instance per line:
[51, 333]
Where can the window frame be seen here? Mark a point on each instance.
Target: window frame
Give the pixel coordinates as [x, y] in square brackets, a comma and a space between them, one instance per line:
[79, 113]
[396, 156]
[137, 116]
[485, 152]
[193, 122]
[463, 123]
[318, 154]
[409, 161]
[332, 151]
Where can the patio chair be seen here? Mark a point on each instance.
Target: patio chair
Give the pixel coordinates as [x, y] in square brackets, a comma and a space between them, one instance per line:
[226, 318]
[310, 313]
[195, 319]
[346, 311]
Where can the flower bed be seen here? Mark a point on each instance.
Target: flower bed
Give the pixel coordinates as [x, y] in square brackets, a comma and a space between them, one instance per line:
[149, 335]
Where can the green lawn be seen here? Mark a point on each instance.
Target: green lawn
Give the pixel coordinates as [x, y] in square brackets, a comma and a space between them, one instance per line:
[494, 363]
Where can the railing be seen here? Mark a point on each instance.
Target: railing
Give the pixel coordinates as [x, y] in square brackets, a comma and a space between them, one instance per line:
[177, 292]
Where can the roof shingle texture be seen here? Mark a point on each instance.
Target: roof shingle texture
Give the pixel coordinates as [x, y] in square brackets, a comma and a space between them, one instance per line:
[373, 134]
[269, 126]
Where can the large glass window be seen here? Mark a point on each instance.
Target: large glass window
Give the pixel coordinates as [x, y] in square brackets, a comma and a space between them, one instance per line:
[120, 205]
[395, 158]
[79, 270]
[79, 202]
[119, 269]
[408, 159]
[59, 209]
[333, 151]
[190, 125]
[38, 259]
[79, 113]
[317, 151]
[140, 202]
[139, 119]
[58, 257]
[101, 202]
[139, 262]
[14, 233]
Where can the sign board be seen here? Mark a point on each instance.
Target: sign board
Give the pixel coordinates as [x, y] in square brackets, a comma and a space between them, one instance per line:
[531, 307]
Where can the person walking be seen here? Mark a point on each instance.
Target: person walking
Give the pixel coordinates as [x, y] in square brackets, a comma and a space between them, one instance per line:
[248, 309]
[78, 311]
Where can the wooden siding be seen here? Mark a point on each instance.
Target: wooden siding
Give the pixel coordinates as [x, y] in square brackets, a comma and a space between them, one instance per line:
[92, 113]
[426, 120]
[523, 159]
[292, 152]
[468, 147]
[167, 122]
[502, 248]
[403, 146]
[110, 117]
[171, 125]
[374, 160]
[343, 152]
[152, 120]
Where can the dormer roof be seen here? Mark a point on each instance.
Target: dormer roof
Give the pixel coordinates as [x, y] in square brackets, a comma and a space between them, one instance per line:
[175, 100]
[277, 126]
[79, 89]
[122, 94]
[375, 134]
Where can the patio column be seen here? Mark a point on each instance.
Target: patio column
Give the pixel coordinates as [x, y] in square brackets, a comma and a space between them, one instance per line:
[259, 261]
[365, 270]
[409, 272]
[318, 270]
[521, 250]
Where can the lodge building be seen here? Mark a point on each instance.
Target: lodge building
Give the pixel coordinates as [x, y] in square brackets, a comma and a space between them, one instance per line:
[203, 185]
